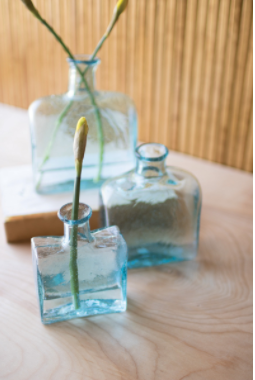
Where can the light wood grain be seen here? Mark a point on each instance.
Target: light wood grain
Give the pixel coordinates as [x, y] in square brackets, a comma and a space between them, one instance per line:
[186, 64]
[191, 320]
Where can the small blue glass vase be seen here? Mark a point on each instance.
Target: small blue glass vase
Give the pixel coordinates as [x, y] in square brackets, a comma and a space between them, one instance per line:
[101, 263]
[156, 207]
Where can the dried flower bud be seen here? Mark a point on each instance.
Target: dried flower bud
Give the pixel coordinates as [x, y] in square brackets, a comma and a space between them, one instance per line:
[31, 7]
[119, 8]
[79, 144]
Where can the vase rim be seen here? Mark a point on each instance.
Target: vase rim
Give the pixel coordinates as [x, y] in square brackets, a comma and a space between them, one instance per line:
[151, 152]
[65, 211]
[83, 59]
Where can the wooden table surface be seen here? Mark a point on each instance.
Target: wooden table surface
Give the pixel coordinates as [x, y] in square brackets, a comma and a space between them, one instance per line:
[191, 320]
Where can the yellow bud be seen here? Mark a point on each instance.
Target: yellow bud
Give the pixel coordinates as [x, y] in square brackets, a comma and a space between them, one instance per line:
[119, 8]
[31, 7]
[79, 144]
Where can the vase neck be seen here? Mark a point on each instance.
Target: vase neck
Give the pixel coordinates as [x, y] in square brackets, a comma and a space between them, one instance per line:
[151, 160]
[80, 226]
[82, 231]
[76, 86]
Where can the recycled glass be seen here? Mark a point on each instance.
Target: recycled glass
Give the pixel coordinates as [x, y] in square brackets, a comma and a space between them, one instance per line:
[156, 207]
[52, 155]
[101, 263]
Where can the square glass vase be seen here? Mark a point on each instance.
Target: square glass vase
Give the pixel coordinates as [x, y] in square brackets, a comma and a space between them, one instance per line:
[82, 273]
[53, 118]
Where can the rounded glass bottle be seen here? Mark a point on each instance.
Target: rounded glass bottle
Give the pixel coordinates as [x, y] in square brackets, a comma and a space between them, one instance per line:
[156, 207]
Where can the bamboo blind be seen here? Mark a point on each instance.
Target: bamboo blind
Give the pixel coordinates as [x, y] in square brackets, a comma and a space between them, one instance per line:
[186, 63]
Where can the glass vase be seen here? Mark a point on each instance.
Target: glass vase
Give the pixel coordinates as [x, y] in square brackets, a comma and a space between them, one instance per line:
[156, 207]
[100, 269]
[52, 124]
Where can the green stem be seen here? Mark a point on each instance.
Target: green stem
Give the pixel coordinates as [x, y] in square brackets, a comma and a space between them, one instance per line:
[74, 276]
[59, 121]
[73, 267]
[93, 101]
[99, 45]
[76, 197]
[49, 147]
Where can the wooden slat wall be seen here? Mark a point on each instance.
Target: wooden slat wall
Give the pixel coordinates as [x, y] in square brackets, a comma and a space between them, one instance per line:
[186, 63]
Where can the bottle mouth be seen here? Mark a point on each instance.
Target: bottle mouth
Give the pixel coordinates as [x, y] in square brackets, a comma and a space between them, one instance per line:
[83, 59]
[151, 152]
[84, 214]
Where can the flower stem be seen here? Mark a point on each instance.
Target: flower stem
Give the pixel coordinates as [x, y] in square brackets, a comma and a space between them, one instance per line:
[74, 277]
[98, 47]
[53, 136]
[64, 112]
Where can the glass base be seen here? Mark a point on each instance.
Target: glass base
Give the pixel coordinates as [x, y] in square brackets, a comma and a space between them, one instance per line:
[87, 308]
[54, 181]
[68, 186]
[57, 307]
[158, 254]
[101, 259]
